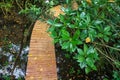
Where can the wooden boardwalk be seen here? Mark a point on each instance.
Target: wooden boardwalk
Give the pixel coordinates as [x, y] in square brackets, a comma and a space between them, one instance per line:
[41, 59]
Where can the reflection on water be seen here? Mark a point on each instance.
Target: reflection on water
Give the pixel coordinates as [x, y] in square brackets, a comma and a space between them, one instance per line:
[7, 59]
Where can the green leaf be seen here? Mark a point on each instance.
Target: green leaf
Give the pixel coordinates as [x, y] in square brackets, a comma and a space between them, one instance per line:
[58, 25]
[53, 34]
[66, 10]
[67, 1]
[100, 35]
[80, 51]
[71, 25]
[76, 42]
[79, 42]
[50, 29]
[94, 67]
[56, 40]
[95, 55]
[107, 33]
[106, 38]
[85, 48]
[65, 35]
[82, 15]
[62, 18]
[83, 34]
[100, 29]
[91, 37]
[117, 63]
[92, 34]
[88, 19]
[52, 3]
[51, 22]
[92, 31]
[81, 59]
[82, 65]
[87, 70]
[65, 45]
[90, 62]
[90, 50]
[98, 22]
[106, 29]
[71, 45]
[76, 34]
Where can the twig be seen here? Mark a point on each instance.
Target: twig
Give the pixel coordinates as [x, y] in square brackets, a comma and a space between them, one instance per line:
[3, 11]
[18, 4]
[106, 46]
[21, 47]
[105, 55]
[18, 55]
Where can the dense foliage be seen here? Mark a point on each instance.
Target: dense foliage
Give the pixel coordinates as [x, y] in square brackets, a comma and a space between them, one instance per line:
[91, 33]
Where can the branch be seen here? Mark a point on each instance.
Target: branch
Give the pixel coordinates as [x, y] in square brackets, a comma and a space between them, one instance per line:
[106, 46]
[105, 55]
[18, 4]
[18, 55]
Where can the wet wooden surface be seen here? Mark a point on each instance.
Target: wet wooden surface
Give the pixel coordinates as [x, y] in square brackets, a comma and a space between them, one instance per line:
[41, 59]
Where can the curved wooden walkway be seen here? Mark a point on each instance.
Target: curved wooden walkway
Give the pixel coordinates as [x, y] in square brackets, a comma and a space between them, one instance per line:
[41, 59]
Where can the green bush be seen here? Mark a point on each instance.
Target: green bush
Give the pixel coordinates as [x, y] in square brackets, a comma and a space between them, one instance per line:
[116, 75]
[91, 33]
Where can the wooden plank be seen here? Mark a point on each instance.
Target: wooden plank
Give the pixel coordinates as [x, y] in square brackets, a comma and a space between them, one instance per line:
[41, 59]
